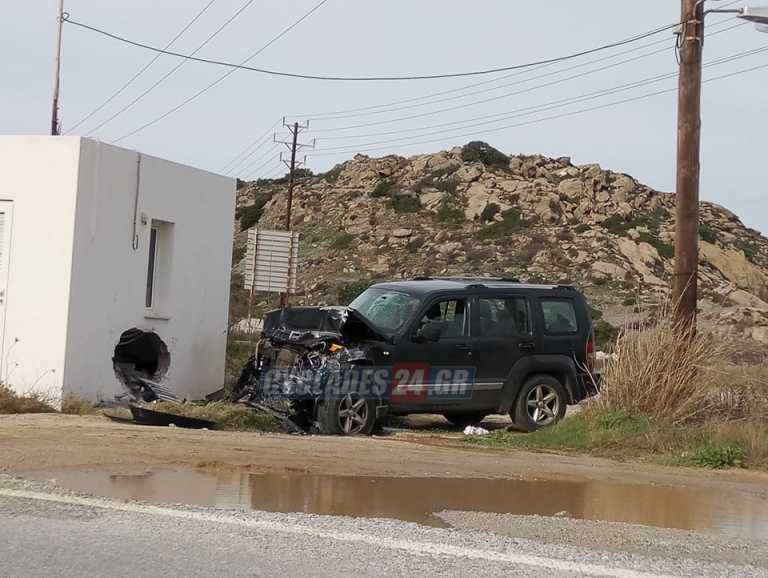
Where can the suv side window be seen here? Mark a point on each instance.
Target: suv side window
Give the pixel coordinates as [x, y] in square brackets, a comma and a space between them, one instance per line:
[446, 319]
[559, 316]
[501, 317]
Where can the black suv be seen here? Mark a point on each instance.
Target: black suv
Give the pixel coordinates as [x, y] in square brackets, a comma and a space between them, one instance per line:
[461, 347]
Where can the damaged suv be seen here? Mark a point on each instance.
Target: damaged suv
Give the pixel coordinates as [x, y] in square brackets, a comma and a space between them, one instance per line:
[461, 347]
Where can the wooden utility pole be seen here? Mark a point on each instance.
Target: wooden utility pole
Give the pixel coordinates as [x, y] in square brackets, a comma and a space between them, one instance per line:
[294, 146]
[55, 126]
[291, 176]
[691, 44]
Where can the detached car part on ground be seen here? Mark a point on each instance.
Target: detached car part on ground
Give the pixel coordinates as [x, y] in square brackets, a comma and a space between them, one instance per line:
[463, 348]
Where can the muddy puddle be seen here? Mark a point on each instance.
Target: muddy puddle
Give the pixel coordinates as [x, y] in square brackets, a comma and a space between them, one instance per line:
[420, 499]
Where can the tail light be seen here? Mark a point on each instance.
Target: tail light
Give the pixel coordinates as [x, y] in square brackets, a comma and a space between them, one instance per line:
[591, 352]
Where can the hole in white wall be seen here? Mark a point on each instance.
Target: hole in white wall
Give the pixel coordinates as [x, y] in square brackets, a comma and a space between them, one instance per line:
[143, 354]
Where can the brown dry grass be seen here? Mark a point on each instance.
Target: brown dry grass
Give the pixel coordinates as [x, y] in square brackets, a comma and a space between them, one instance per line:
[74, 405]
[663, 372]
[11, 402]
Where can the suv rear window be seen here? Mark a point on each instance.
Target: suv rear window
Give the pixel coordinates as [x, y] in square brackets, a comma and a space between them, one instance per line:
[559, 316]
[501, 317]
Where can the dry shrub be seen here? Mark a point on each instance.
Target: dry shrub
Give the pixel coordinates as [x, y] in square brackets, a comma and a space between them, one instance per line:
[749, 434]
[11, 402]
[74, 405]
[663, 372]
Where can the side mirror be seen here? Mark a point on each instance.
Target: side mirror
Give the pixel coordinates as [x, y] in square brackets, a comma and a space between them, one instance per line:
[429, 332]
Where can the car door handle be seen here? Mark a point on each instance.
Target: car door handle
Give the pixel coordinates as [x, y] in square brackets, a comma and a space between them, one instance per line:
[526, 346]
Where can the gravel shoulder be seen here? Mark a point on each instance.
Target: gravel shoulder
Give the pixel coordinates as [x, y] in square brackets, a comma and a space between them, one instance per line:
[89, 537]
[34, 444]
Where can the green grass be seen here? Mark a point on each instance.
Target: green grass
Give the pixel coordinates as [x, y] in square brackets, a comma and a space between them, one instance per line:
[486, 154]
[450, 214]
[347, 292]
[384, 189]
[665, 250]
[340, 240]
[405, 204]
[513, 222]
[718, 457]
[576, 433]
[708, 234]
[623, 436]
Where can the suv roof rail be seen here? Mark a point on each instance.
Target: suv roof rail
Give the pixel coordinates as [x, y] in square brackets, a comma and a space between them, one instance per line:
[477, 286]
[568, 287]
[467, 278]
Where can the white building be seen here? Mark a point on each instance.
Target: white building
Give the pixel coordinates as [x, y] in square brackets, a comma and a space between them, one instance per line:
[97, 242]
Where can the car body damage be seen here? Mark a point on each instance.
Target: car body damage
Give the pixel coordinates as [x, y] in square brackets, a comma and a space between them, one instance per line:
[461, 347]
[304, 359]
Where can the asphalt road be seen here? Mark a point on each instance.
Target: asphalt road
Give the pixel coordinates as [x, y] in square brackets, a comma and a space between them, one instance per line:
[45, 533]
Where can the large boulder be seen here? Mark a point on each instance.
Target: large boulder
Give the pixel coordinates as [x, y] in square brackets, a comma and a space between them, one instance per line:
[734, 266]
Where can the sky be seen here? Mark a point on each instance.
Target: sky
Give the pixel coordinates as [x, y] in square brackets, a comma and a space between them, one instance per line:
[400, 38]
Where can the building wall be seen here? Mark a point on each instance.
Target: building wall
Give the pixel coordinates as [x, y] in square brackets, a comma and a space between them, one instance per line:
[39, 176]
[109, 273]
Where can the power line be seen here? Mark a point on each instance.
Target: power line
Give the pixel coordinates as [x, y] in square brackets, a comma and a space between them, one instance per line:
[491, 99]
[242, 65]
[366, 111]
[224, 76]
[248, 168]
[249, 150]
[171, 72]
[495, 115]
[142, 71]
[328, 152]
[475, 103]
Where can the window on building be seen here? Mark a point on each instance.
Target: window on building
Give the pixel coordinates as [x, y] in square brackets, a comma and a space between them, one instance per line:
[559, 316]
[152, 268]
[501, 317]
[159, 268]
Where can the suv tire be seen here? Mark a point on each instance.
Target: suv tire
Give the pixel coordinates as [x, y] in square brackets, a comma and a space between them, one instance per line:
[541, 402]
[348, 415]
[464, 419]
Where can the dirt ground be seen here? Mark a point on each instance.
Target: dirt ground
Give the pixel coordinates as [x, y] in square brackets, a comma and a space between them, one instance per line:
[31, 445]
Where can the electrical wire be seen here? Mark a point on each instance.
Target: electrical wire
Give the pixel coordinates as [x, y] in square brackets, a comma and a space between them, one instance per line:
[375, 147]
[222, 77]
[260, 158]
[439, 111]
[146, 67]
[496, 115]
[364, 111]
[242, 66]
[249, 150]
[173, 71]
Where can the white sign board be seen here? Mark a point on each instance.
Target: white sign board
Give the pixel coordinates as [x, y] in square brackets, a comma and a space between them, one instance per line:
[272, 261]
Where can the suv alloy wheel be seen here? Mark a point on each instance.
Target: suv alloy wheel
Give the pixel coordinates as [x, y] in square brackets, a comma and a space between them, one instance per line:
[541, 402]
[349, 415]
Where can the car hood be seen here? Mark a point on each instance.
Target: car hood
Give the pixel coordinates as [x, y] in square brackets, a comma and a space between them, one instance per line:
[299, 324]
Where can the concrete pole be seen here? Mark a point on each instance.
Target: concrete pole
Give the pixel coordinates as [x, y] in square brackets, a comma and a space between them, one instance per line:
[685, 287]
[57, 71]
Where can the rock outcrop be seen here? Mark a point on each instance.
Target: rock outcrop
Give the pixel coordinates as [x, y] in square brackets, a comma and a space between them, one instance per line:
[475, 211]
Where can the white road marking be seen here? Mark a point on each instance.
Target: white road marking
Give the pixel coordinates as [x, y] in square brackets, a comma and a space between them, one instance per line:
[410, 547]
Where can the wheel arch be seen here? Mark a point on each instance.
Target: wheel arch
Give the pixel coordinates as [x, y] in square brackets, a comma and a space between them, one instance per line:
[560, 367]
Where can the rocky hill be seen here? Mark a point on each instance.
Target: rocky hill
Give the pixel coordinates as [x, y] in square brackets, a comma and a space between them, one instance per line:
[476, 211]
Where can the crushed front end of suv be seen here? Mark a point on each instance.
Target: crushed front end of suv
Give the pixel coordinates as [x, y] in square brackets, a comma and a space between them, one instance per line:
[463, 348]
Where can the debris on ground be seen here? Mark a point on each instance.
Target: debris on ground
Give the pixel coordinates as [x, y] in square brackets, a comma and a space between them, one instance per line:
[471, 430]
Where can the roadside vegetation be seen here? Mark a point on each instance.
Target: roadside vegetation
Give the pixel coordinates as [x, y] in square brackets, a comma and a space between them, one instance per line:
[11, 403]
[670, 396]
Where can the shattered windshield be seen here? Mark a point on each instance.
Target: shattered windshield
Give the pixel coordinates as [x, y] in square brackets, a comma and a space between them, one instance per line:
[385, 309]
